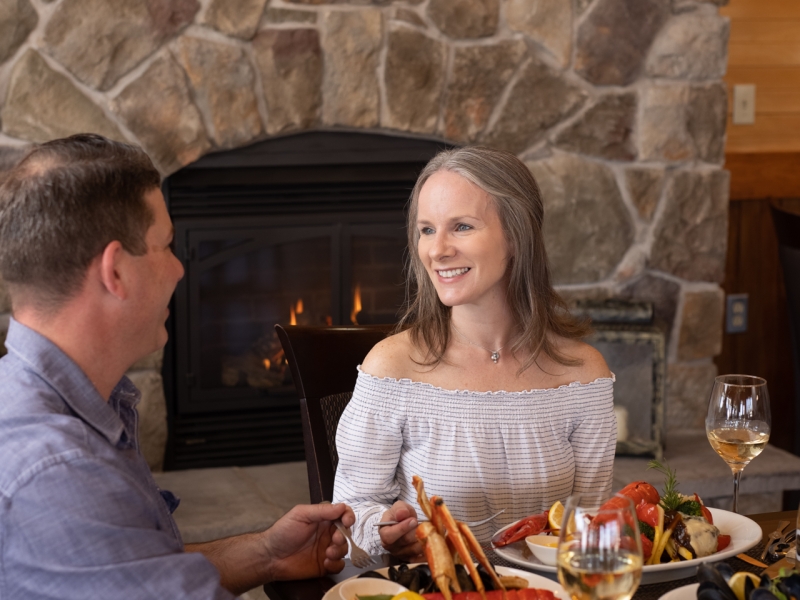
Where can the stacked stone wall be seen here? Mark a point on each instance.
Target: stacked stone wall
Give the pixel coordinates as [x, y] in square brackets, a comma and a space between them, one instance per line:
[617, 107]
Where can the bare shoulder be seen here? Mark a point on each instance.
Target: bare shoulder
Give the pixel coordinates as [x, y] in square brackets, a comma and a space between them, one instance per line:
[593, 365]
[390, 357]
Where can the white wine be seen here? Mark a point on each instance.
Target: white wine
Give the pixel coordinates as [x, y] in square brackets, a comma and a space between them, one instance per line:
[736, 445]
[599, 576]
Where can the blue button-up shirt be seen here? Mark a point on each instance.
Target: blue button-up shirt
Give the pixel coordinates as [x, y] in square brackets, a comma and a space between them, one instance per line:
[80, 514]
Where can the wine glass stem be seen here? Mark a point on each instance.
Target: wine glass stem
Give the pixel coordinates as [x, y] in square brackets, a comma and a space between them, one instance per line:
[737, 476]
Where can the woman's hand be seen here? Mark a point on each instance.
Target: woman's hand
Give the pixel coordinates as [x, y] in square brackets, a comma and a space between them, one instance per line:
[400, 540]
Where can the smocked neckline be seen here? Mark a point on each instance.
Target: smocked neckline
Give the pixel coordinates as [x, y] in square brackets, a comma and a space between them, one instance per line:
[406, 381]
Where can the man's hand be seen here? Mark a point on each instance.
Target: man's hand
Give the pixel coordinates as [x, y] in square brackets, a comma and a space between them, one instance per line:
[305, 543]
[400, 540]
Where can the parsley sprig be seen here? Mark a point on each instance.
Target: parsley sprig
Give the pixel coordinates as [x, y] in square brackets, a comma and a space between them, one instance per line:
[670, 499]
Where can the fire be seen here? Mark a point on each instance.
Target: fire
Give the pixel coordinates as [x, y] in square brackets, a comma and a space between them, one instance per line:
[267, 364]
[356, 305]
[299, 307]
[292, 316]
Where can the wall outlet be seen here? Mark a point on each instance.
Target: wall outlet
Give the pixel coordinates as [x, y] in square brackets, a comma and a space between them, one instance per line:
[744, 104]
[736, 313]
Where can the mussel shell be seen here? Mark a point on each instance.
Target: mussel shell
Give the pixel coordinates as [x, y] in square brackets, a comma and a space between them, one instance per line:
[710, 591]
[409, 578]
[749, 586]
[766, 582]
[706, 573]
[488, 582]
[373, 574]
[393, 574]
[725, 570]
[762, 594]
[464, 580]
[790, 586]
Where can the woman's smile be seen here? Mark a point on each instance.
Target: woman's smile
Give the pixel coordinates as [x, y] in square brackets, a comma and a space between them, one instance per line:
[461, 240]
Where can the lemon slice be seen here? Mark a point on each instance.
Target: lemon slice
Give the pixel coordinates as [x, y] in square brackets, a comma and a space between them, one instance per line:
[736, 583]
[554, 515]
[408, 595]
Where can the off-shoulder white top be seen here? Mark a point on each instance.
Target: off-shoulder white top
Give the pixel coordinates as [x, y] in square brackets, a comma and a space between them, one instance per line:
[479, 451]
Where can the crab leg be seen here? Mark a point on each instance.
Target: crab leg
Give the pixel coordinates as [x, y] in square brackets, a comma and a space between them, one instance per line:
[475, 546]
[426, 506]
[439, 558]
[454, 535]
[422, 497]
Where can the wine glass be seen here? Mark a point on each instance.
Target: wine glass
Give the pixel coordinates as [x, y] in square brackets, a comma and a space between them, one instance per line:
[738, 422]
[599, 549]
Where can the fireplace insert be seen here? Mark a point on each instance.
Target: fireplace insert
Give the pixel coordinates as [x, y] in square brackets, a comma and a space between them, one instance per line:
[302, 229]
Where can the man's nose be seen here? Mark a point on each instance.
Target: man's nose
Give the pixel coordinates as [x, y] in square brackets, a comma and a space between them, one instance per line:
[180, 270]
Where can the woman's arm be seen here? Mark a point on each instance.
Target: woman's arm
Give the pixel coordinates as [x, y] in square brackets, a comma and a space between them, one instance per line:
[369, 440]
[594, 440]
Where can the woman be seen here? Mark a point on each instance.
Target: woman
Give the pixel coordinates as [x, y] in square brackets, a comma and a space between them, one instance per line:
[486, 392]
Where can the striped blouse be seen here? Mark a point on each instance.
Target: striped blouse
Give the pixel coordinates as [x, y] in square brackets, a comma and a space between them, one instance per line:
[479, 451]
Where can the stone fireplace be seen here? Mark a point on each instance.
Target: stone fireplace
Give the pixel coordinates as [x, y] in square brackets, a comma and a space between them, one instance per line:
[617, 107]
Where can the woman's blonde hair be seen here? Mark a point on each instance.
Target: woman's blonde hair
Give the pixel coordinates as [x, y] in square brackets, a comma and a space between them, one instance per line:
[534, 304]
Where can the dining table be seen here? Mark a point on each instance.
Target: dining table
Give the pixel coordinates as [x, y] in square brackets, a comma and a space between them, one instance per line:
[315, 589]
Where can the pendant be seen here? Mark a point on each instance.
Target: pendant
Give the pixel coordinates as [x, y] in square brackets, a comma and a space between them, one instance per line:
[495, 356]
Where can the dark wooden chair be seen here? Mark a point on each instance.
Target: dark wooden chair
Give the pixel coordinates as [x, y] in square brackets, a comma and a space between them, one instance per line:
[787, 226]
[323, 362]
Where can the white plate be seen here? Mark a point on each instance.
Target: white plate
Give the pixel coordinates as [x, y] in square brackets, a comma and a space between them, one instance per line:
[745, 533]
[534, 581]
[686, 592]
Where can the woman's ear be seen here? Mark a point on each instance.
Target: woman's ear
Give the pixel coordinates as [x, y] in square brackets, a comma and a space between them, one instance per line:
[112, 262]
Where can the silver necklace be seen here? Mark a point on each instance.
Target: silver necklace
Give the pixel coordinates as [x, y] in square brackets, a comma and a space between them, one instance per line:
[493, 354]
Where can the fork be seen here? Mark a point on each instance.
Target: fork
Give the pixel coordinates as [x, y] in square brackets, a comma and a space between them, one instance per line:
[358, 556]
[774, 536]
[468, 524]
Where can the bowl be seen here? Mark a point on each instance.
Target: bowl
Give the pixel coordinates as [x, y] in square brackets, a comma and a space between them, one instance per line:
[544, 547]
[369, 586]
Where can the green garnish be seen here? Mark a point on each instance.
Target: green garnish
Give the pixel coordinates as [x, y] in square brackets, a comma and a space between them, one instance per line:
[647, 530]
[691, 508]
[670, 499]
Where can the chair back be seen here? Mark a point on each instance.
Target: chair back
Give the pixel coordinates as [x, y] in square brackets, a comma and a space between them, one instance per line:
[787, 227]
[323, 363]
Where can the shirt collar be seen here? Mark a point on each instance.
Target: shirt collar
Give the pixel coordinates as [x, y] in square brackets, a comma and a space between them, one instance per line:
[50, 363]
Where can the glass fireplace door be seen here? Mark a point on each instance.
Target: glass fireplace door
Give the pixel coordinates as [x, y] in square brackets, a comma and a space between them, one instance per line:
[240, 282]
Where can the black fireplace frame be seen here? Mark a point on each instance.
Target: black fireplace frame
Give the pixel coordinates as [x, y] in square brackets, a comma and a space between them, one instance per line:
[328, 180]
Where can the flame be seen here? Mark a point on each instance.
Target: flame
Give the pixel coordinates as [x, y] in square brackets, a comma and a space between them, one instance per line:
[292, 316]
[329, 320]
[356, 305]
[299, 308]
[267, 364]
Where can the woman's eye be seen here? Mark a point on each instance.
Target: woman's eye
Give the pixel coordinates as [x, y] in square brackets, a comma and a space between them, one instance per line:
[463, 227]
[426, 230]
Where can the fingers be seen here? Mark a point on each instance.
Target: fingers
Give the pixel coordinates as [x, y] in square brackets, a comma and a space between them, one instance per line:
[400, 534]
[331, 512]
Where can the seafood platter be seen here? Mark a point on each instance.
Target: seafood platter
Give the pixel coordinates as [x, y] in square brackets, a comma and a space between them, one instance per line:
[678, 532]
[719, 582]
[457, 568]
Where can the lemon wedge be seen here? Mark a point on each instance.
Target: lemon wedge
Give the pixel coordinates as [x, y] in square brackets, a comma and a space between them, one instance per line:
[408, 595]
[736, 583]
[554, 515]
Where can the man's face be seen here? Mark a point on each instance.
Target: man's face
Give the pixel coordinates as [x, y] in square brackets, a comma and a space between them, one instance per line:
[155, 275]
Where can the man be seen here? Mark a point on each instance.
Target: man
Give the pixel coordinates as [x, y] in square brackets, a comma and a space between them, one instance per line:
[85, 249]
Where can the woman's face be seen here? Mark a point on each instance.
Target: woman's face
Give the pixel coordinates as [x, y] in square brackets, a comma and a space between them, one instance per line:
[461, 241]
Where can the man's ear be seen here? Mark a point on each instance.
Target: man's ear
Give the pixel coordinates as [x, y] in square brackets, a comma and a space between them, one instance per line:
[111, 263]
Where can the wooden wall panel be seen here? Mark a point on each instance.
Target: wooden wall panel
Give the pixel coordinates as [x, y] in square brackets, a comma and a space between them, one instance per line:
[764, 49]
[753, 268]
[762, 9]
[764, 175]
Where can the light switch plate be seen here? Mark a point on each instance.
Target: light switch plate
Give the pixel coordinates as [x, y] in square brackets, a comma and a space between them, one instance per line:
[736, 313]
[744, 104]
